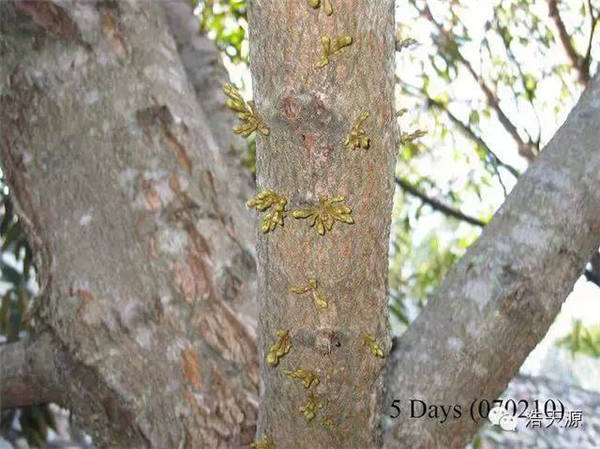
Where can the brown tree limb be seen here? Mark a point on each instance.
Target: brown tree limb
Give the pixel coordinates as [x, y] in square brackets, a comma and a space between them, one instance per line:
[469, 132]
[314, 98]
[498, 301]
[576, 60]
[526, 149]
[28, 373]
[437, 205]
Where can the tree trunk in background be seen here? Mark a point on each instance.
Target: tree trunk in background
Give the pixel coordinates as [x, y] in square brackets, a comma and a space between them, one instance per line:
[310, 112]
[143, 251]
[204, 69]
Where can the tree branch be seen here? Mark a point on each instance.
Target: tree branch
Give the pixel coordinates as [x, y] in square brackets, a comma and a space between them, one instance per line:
[305, 117]
[594, 20]
[28, 373]
[507, 288]
[576, 59]
[526, 149]
[476, 138]
[513, 59]
[591, 275]
[437, 205]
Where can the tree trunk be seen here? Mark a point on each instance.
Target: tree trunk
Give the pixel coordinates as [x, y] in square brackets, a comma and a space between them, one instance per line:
[311, 111]
[142, 256]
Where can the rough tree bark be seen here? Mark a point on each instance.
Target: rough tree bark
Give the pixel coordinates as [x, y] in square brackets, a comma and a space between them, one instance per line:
[310, 112]
[142, 254]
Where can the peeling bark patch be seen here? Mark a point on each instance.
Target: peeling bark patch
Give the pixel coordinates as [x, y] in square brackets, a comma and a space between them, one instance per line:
[512, 301]
[84, 296]
[159, 115]
[152, 115]
[110, 29]
[85, 219]
[151, 195]
[309, 141]
[289, 108]
[477, 291]
[455, 344]
[52, 18]
[190, 277]
[172, 241]
[191, 367]
[180, 152]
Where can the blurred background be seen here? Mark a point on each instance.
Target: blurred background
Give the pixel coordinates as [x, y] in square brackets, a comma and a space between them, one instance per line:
[490, 81]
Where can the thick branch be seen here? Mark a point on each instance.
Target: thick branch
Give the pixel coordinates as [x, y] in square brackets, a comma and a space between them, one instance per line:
[28, 373]
[311, 98]
[508, 287]
[437, 205]
[205, 71]
[127, 201]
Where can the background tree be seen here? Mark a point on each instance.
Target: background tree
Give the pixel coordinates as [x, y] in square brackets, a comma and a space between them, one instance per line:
[117, 35]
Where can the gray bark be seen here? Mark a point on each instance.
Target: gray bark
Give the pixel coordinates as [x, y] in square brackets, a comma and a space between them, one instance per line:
[310, 112]
[141, 253]
[205, 71]
[498, 301]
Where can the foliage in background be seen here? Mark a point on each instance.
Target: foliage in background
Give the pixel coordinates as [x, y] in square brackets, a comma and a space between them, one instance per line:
[18, 287]
[225, 22]
[582, 340]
